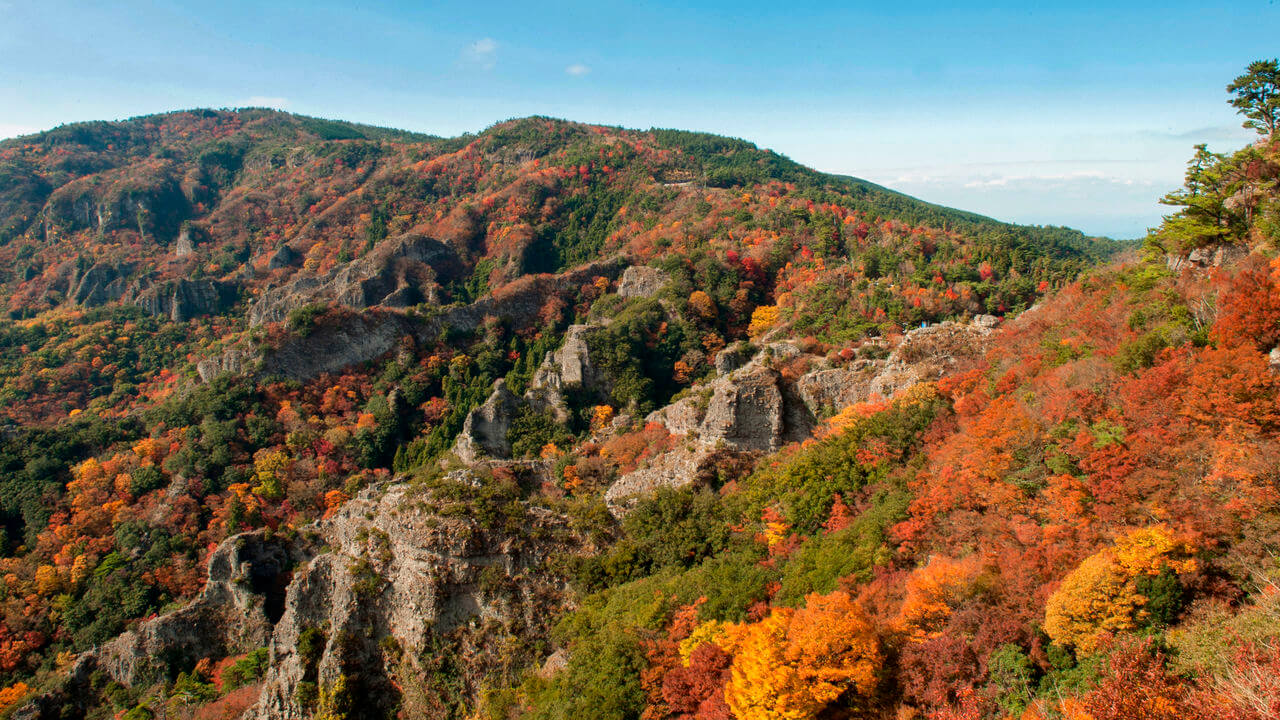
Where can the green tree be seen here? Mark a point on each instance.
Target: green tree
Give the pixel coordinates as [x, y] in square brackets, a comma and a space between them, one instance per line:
[1257, 95]
[1204, 218]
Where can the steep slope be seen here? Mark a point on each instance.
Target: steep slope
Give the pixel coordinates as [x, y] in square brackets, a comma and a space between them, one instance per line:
[244, 327]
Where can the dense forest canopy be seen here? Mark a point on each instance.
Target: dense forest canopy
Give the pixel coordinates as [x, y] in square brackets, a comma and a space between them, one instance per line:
[686, 429]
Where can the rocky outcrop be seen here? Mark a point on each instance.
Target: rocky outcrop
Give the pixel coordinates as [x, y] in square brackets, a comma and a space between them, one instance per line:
[1206, 257]
[150, 203]
[243, 598]
[337, 343]
[234, 361]
[349, 598]
[756, 408]
[641, 282]
[398, 273]
[484, 433]
[180, 300]
[746, 411]
[185, 245]
[282, 258]
[348, 338]
[565, 369]
[676, 468]
[394, 571]
[100, 284]
[732, 358]
[924, 354]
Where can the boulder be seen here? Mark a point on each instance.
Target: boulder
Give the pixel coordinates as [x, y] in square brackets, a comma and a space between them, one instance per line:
[282, 258]
[731, 358]
[641, 282]
[673, 469]
[746, 413]
[484, 433]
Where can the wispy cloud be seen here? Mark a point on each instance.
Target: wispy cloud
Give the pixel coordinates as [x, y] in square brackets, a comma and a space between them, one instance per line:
[482, 53]
[1213, 133]
[8, 131]
[1094, 200]
[577, 70]
[279, 103]
[1049, 179]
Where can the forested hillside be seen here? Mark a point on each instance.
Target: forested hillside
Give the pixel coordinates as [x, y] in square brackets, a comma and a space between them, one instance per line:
[308, 418]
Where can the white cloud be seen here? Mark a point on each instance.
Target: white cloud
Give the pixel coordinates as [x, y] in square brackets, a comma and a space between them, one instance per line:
[577, 70]
[279, 103]
[482, 53]
[8, 131]
[1098, 201]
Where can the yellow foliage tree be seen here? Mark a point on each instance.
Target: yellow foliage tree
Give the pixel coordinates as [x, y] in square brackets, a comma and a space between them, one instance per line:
[1101, 595]
[711, 631]
[762, 318]
[269, 469]
[794, 663]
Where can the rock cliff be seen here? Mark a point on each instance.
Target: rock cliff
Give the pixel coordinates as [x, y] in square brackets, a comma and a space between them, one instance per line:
[755, 407]
[350, 601]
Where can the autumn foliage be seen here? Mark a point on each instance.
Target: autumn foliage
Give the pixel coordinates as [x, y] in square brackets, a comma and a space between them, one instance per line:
[794, 663]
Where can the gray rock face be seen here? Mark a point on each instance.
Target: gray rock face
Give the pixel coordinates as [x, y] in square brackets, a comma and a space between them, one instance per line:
[485, 430]
[242, 599]
[1206, 257]
[399, 273]
[282, 258]
[334, 346]
[924, 354]
[393, 571]
[185, 245]
[567, 368]
[747, 412]
[754, 408]
[99, 285]
[359, 337]
[233, 361]
[385, 567]
[154, 206]
[672, 469]
[241, 602]
[730, 359]
[573, 359]
[641, 282]
[181, 300]
[832, 389]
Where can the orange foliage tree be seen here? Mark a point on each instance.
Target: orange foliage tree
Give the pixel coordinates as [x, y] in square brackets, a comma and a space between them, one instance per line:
[794, 663]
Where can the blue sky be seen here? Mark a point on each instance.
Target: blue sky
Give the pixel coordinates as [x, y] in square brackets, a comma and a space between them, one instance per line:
[1080, 113]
